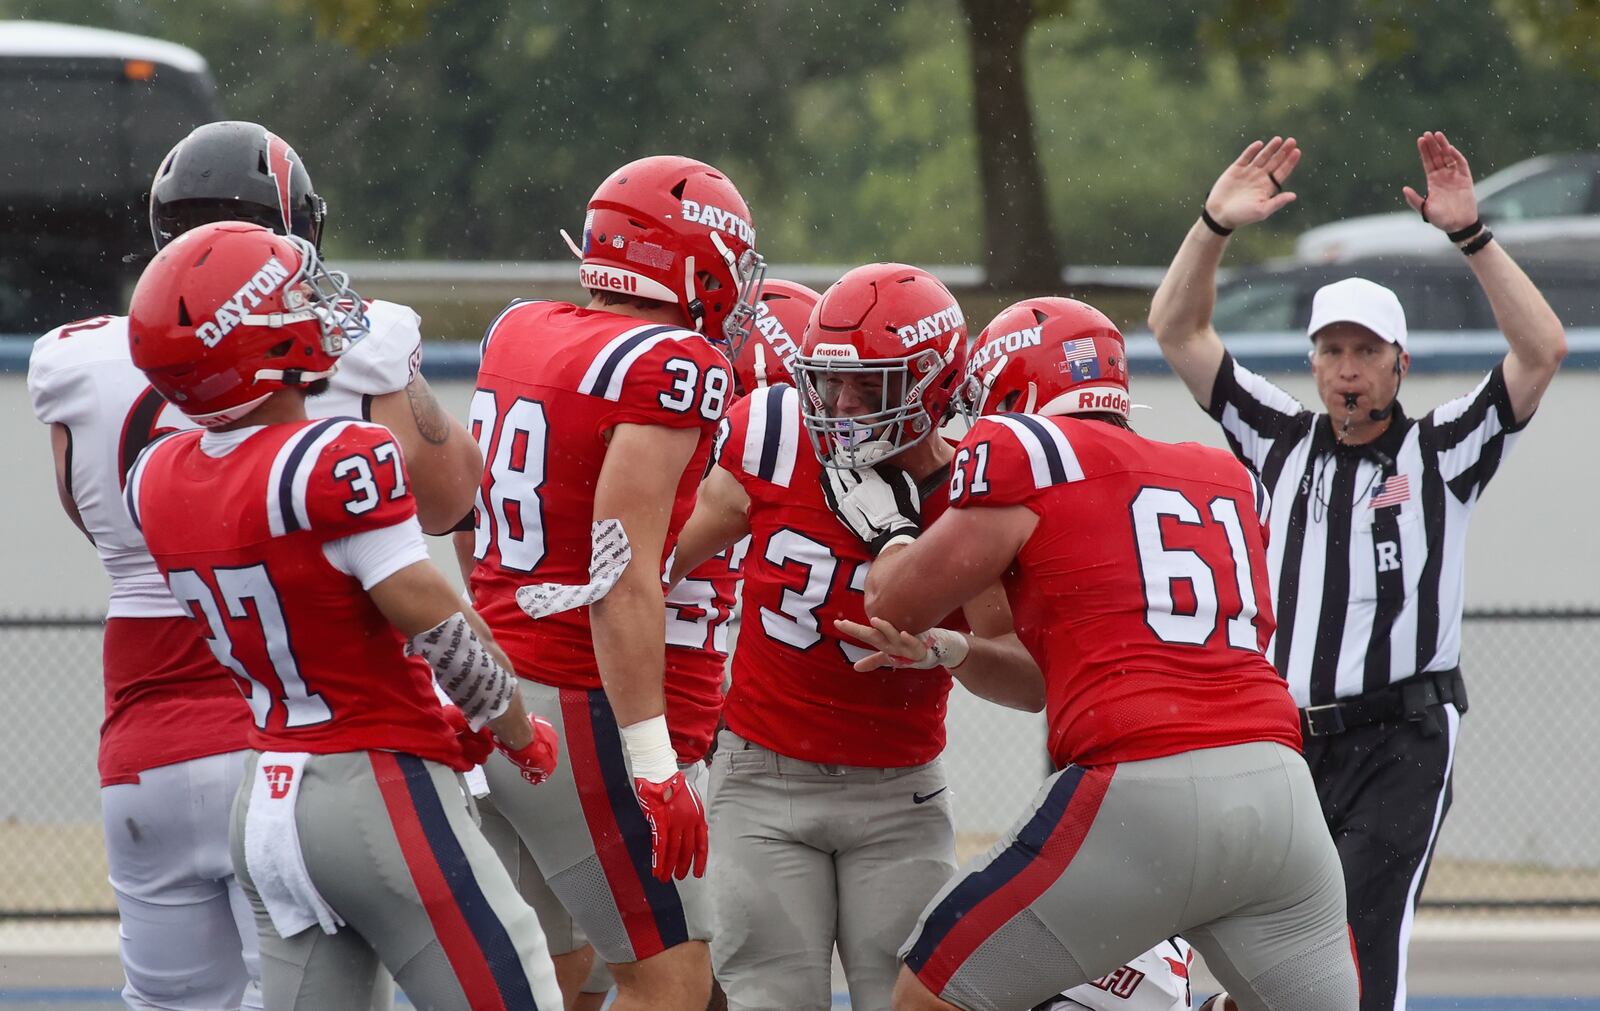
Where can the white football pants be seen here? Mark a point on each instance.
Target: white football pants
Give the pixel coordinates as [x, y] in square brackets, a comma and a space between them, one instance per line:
[188, 937]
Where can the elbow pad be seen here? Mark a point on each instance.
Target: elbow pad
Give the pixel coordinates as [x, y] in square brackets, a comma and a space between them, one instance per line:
[462, 665]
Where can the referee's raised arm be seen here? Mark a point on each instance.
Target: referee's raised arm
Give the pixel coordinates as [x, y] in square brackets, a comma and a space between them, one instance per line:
[1250, 190]
[1538, 342]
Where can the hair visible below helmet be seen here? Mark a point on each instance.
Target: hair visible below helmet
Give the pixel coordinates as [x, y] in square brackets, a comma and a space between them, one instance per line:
[767, 355]
[230, 313]
[234, 171]
[890, 321]
[674, 230]
[1049, 356]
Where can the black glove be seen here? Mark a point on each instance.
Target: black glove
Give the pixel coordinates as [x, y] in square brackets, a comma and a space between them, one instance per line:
[880, 505]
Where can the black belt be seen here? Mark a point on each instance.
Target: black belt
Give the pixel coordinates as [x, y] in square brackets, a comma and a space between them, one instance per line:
[1410, 700]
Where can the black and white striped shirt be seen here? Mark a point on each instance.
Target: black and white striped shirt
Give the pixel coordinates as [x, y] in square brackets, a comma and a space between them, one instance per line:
[1368, 547]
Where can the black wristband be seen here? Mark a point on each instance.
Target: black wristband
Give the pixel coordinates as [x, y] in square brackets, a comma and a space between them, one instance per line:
[466, 524]
[882, 540]
[1482, 240]
[1211, 222]
[1463, 234]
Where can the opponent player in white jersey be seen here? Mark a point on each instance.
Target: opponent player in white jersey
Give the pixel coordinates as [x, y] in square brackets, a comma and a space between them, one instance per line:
[174, 728]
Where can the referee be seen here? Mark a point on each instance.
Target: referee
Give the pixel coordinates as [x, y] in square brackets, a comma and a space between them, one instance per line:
[1369, 524]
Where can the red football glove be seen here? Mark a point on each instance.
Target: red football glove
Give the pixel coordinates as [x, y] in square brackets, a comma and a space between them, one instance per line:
[677, 827]
[539, 758]
[476, 745]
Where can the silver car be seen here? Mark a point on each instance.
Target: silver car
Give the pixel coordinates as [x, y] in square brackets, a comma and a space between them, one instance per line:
[1549, 206]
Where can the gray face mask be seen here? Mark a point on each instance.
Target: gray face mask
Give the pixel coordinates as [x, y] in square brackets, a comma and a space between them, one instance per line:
[900, 420]
[316, 293]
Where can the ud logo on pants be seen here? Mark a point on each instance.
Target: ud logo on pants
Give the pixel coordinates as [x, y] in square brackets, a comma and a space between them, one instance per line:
[279, 779]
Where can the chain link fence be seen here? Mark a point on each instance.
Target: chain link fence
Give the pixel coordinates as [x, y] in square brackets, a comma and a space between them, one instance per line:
[1524, 830]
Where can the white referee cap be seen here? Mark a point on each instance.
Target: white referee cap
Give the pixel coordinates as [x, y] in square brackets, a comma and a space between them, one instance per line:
[1365, 303]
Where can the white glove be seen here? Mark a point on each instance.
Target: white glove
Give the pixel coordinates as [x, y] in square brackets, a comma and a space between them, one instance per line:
[880, 505]
[609, 555]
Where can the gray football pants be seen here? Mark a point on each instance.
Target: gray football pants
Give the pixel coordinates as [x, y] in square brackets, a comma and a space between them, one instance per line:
[390, 843]
[807, 856]
[591, 842]
[1226, 846]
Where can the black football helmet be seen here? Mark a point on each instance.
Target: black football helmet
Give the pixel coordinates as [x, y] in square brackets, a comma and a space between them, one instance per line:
[234, 171]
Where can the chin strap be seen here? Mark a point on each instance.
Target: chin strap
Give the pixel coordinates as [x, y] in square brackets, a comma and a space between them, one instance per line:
[295, 377]
[761, 366]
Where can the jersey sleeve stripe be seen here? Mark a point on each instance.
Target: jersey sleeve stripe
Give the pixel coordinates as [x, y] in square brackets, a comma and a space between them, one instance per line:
[610, 366]
[1245, 402]
[780, 438]
[1462, 419]
[773, 435]
[1049, 452]
[755, 433]
[286, 488]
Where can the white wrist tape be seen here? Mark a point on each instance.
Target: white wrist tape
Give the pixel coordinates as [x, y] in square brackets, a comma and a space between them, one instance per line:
[475, 682]
[650, 749]
[946, 648]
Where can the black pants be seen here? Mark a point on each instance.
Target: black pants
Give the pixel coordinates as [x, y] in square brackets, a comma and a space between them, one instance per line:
[1385, 789]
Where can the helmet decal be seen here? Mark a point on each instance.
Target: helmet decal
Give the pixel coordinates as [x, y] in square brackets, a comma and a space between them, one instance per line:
[232, 312]
[280, 166]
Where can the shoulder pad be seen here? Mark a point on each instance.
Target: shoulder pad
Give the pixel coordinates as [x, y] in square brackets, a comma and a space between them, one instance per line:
[771, 436]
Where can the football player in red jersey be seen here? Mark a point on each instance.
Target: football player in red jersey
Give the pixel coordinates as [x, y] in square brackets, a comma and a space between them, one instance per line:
[174, 731]
[294, 547]
[1137, 574]
[620, 399]
[699, 609]
[830, 817]
[700, 605]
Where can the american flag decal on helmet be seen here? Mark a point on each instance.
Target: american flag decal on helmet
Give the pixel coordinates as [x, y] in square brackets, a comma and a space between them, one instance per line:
[1082, 361]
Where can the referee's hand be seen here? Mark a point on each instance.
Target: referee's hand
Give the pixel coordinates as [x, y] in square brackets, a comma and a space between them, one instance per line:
[1252, 188]
[1450, 203]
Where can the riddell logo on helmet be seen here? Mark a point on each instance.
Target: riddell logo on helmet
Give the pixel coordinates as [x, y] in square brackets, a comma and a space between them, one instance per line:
[846, 351]
[1103, 400]
[232, 312]
[723, 221]
[608, 280]
[931, 327]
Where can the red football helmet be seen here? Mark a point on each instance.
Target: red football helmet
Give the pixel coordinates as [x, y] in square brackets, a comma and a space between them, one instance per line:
[674, 230]
[1049, 356]
[229, 313]
[886, 332]
[767, 355]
